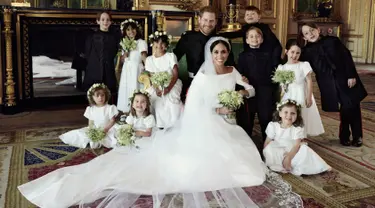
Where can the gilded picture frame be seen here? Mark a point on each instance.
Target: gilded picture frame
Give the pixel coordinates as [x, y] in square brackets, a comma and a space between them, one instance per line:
[176, 25]
[171, 5]
[303, 9]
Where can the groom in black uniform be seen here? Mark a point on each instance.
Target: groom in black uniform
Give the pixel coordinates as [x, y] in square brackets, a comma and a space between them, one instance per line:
[192, 45]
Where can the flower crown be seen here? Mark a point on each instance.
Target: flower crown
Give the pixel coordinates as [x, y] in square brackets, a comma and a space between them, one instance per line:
[158, 34]
[287, 101]
[137, 92]
[122, 25]
[93, 88]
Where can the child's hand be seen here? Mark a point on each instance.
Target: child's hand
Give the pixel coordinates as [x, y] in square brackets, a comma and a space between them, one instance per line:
[158, 92]
[166, 90]
[287, 163]
[243, 92]
[351, 82]
[266, 143]
[309, 101]
[106, 129]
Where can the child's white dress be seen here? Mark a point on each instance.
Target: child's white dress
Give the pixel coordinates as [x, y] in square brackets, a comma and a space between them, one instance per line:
[297, 91]
[142, 123]
[306, 161]
[166, 108]
[100, 116]
[131, 70]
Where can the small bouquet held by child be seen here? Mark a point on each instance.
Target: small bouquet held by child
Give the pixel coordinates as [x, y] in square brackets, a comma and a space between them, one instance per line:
[161, 79]
[126, 136]
[95, 134]
[233, 101]
[284, 78]
[128, 44]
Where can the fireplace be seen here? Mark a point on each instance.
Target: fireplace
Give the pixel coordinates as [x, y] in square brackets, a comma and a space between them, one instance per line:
[48, 41]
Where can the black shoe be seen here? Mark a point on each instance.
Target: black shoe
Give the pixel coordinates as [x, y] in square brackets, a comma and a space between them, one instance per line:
[357, 142]
[345, 143]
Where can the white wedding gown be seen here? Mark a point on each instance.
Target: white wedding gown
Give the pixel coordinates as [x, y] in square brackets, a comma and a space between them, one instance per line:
[200, 162]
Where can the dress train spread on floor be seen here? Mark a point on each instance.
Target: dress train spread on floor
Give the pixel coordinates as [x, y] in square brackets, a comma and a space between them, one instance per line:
[201, 162]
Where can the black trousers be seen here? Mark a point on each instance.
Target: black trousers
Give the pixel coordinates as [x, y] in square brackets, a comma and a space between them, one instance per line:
[350, 119]
[263, 105]
[185, 87]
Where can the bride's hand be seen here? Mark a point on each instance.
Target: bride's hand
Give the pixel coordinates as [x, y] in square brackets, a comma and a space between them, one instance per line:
[224, 111]
[243, 92]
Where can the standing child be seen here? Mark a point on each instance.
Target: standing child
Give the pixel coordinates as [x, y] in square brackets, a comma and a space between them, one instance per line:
[301, 90]
[140, 115]
[256, 65]
[167, 104]
[340, 86]
[100, 52]
[270, 43]
[284, 150]
[133, 64]
[101, 115]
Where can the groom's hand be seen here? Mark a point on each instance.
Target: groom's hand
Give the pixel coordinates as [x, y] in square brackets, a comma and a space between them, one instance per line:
[245, 79]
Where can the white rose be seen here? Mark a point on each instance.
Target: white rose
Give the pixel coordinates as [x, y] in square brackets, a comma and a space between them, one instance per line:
[164, 33]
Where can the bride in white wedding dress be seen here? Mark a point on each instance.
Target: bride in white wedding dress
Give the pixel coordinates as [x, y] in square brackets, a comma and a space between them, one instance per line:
[201, 162]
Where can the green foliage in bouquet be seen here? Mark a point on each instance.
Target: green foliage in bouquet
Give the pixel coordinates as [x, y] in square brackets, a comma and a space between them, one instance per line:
[126, 135]
[230, 99]
[95, 134]
[128, 44]
[283, 77]
[161, 79]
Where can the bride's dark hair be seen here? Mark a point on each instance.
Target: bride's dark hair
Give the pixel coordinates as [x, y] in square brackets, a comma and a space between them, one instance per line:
[226, 44]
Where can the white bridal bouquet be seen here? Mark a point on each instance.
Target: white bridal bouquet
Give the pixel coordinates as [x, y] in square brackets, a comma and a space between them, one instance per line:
[128, 45]
[284, 78]
[161, 79]
[232, 100]
[96, 134]
[126, 135]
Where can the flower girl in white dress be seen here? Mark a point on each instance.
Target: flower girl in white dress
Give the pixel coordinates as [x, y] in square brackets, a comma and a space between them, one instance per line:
[301, 90]
[101, 115]
[283, 149]
[133, 64]
[166, 101]
[140, 116]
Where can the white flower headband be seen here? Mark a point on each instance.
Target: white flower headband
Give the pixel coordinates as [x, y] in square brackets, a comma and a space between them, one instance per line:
[122, 25]
[287, 101]
[157, 34]
[137, 92]
[94, 86]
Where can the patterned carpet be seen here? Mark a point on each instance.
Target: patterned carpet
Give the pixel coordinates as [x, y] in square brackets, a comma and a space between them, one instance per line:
[37, 151]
